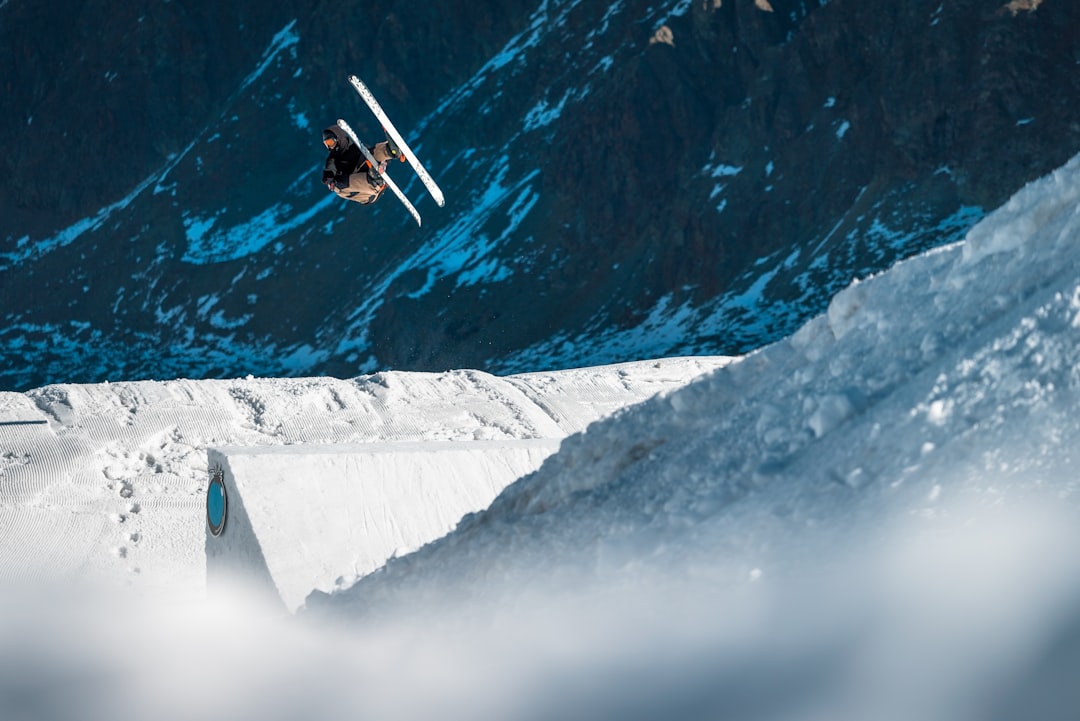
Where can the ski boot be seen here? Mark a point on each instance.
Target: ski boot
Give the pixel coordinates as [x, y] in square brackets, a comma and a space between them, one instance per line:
[392, 148]
[375, 176]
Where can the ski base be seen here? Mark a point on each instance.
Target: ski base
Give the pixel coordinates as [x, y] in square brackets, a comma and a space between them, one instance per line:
[389, 129]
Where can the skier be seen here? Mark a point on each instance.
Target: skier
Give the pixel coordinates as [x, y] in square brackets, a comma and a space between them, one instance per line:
[348, 173]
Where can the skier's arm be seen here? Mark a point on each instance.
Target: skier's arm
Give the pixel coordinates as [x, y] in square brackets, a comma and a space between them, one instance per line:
[329, 175]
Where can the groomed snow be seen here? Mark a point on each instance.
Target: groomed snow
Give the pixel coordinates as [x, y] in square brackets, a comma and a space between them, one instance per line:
[107, 481]
[301, 518]
[875, 518]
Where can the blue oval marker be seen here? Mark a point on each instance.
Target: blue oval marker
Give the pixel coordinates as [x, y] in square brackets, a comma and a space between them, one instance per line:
[216, 502]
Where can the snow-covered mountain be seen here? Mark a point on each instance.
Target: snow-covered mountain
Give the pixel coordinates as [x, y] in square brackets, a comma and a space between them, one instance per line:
[625, 180]
[875, 517]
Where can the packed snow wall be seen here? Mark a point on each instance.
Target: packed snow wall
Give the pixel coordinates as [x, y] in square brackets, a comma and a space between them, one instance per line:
[289, 520]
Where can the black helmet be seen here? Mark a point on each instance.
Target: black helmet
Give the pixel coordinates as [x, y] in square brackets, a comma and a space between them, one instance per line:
[329, 139]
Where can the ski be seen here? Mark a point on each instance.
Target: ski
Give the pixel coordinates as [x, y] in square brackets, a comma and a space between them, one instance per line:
[381, 173]
[390, 130]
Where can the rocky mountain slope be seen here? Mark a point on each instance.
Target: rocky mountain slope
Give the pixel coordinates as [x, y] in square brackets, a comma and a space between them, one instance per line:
[625, 180]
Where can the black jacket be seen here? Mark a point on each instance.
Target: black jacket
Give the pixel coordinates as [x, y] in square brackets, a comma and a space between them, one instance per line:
[343, 160]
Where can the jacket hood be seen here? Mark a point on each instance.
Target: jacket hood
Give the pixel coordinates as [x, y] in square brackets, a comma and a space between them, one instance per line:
[344, 142]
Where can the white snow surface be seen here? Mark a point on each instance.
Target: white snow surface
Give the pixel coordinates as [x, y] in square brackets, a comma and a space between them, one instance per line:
[875, 518]
[107, 481]
[319, 517]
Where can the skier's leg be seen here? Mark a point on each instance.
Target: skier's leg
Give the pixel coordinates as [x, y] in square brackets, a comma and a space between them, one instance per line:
[385, 151]
[361, 188]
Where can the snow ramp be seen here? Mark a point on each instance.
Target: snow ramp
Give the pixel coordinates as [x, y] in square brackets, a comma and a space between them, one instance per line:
[289, 520]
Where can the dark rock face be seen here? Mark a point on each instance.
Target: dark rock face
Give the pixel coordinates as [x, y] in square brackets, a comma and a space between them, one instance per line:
[623, 180]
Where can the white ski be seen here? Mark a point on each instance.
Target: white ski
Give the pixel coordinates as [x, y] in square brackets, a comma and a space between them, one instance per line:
[388, 127]
[382, 173]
